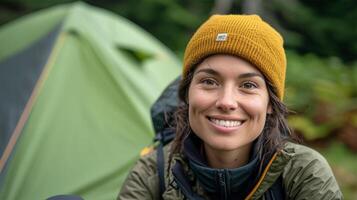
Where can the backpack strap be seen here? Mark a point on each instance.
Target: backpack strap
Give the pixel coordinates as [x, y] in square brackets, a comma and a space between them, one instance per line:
[163, 137]
[161, 168]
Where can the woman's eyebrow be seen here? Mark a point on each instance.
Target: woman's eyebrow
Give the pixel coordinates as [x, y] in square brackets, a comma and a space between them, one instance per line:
[207, 71]
[250, 74]
[244, 75]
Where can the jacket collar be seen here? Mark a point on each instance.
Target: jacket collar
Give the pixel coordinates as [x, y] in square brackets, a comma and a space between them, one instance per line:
[270, 174]
[272, 171]
[221, 183]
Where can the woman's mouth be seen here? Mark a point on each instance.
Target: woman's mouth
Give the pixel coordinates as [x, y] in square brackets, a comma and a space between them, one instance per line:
[226, 123]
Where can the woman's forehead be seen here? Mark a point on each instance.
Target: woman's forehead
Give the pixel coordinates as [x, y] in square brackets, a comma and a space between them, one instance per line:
[226, 64]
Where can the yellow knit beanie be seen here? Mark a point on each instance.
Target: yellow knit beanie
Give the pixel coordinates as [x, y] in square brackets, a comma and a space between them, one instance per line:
[245, 36]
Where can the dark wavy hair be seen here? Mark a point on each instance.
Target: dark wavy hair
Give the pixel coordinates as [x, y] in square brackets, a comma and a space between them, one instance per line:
[275, 132]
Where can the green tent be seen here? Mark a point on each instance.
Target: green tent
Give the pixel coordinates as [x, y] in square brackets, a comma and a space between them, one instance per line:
[76, 85]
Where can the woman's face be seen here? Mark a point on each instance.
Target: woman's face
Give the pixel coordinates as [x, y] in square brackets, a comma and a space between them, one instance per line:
[228, 103]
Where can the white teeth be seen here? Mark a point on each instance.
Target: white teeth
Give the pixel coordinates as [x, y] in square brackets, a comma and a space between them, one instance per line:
[226, 123]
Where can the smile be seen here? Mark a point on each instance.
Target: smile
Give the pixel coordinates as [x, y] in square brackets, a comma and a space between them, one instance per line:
[226, 123]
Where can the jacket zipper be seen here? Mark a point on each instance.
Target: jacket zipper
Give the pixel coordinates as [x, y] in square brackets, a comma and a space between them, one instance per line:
[222, 183]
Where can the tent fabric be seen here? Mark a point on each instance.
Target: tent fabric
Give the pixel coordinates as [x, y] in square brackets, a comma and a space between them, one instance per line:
[27, 31]
[17, 87]
[89, 117]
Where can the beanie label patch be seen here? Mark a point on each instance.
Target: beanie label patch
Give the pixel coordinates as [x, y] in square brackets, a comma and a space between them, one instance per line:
[221, 37]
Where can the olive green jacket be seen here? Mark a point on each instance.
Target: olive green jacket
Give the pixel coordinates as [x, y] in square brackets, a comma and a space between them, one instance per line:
[305, 173]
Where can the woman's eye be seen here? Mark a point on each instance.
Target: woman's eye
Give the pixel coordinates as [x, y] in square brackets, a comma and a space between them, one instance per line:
[209, 82]
[249, 85]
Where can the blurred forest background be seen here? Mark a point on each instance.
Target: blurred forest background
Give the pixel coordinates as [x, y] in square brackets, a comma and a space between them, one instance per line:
[321, 43]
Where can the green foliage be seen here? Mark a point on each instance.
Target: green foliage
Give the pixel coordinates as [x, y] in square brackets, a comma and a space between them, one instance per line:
[323, 92]
[338, 154]
[327, 29]
[309, 130]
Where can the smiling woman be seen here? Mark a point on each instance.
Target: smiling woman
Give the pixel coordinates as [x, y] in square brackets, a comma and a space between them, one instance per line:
[228, 103]
[232, 139]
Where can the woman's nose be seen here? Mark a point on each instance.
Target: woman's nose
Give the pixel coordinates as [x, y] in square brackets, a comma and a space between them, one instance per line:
[227, 100]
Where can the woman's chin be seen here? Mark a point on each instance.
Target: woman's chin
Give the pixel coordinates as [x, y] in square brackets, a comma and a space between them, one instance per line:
[225, 146]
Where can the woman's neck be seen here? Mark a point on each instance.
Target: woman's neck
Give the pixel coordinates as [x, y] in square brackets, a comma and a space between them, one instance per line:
[227, 159]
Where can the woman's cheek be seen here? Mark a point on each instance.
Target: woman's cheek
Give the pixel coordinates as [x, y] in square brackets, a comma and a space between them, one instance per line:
[201, 99]
[255, 106]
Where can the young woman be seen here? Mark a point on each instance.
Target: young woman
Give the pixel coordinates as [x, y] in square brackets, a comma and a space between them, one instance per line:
[232, 139]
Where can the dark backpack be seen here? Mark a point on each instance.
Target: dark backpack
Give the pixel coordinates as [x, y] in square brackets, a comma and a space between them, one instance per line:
[162, 115]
